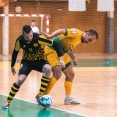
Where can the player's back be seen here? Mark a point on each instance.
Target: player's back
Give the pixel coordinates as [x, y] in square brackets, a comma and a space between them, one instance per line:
[70, 40]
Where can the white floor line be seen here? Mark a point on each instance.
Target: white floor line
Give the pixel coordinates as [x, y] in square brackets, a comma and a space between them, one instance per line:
[51, 107]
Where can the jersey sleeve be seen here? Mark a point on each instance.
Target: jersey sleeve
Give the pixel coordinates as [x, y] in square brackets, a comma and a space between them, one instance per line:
[73, 32]
[57, 48]
[15, 53]
[17, 45]
[43, 40]
[14, 56]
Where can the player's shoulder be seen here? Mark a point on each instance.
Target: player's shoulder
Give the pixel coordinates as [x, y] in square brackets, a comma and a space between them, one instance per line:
[75, 30]
[71, 30]
[35, 35]
[42, 37]
[39, 36]
[20, 37]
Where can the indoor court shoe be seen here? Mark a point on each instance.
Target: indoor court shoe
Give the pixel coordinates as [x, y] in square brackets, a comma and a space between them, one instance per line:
[71, 101]
[37, 99]
[5, 106]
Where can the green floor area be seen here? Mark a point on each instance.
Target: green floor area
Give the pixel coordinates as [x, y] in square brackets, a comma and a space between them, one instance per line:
[20, 108]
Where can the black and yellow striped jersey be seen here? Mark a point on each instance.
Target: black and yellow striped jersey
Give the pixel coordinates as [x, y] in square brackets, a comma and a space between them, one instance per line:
[33, 50]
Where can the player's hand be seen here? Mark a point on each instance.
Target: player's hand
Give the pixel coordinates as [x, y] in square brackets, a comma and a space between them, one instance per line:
[75, 61]
[13, 70]
[45, 34]
[62, 63]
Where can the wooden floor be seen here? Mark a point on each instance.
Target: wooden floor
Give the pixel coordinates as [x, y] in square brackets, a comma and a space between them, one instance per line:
[95, 85]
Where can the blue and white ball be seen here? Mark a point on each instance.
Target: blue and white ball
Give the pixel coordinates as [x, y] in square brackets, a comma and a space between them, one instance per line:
[46, 101]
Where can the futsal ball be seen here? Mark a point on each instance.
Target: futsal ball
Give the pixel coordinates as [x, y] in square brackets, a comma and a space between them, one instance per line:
[46, 101]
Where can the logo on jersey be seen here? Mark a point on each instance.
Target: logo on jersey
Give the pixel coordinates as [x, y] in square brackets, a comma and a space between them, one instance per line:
[30, 49]
[73, 31]
[35, 44]
[24, 46]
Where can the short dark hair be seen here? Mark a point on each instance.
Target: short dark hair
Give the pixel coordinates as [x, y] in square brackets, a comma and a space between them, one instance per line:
[26, 29]
[33, 21]
[92, 32]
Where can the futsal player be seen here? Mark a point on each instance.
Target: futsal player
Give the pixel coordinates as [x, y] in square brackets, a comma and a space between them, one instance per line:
[32, 59]
[67, 40]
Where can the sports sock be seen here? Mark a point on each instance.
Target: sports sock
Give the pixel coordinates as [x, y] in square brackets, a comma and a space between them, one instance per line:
[51, 84]
[44, 84]
[13, 91]
[68, 88]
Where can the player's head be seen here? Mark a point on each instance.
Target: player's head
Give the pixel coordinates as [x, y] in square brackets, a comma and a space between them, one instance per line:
[27, 33]
[89, 36]
[33, 23]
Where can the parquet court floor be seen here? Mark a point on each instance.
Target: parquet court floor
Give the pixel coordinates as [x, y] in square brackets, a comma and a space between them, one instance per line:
[95, 86]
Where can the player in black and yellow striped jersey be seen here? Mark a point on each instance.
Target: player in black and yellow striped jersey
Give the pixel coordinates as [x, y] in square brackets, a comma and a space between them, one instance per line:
[67, 40]
[32, 59]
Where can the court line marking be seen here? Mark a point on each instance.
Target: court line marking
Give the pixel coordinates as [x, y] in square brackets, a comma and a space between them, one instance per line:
[51, 107]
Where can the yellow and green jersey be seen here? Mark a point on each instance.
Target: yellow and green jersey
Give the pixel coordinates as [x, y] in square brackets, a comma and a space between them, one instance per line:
[70, 40]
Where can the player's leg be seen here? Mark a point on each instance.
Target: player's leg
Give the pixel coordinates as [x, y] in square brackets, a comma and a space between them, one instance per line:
[23, 72]
[45, 68]
[54, 78]
[68, 86]
[69, 73]
[45, 79]
[53, 60]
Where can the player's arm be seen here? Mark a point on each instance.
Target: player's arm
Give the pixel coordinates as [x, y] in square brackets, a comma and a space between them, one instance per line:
[57, 49]
[55, 33]
[70, 53]
[44, 40]
[14, 56]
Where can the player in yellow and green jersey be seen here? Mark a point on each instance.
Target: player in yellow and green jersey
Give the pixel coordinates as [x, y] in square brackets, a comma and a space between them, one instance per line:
[67, 40]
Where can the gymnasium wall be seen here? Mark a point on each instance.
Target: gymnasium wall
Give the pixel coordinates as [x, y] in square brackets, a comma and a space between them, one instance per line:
[60, 17]
[115, 28]
[1, 31]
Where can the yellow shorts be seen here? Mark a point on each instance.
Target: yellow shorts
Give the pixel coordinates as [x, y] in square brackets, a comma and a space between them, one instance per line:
[52, 57]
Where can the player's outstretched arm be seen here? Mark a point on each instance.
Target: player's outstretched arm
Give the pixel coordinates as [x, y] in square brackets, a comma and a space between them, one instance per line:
[55, 33]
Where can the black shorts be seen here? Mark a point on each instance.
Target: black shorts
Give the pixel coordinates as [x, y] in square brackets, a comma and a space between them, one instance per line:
[28, 66]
